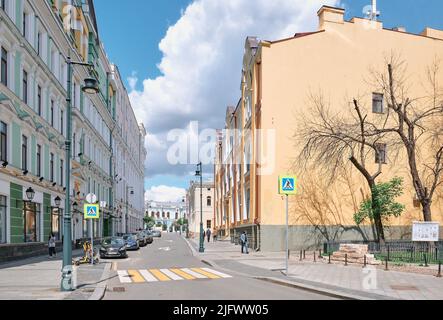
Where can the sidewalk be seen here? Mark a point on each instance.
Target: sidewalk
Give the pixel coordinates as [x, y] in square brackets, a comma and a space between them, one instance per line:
[39, 279]
[351, 281]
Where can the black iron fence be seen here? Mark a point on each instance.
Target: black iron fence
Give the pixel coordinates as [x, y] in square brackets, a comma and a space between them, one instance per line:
[397, 251]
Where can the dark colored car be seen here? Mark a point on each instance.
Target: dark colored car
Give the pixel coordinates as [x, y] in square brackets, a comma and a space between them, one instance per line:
[140, 238]
[131, 242]
[149, 237]
[156, 234]
[113, 247]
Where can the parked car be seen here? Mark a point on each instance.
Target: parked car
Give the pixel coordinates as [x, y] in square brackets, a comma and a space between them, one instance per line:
[114, 247]
[156, 234]
[131, 242]
[141, 238]
[149, 237]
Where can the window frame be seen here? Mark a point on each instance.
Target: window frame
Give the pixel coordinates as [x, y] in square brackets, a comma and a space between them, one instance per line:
[39, 100]
[3, 141]
[24, 152]
[4, 66]
[51, 167]
[39, 160]
[381, 149]
[25, 86]
[378, 98]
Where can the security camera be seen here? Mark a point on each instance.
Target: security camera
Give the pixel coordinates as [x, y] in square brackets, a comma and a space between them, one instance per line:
[41, 179]
[25, 172]
[5, 164]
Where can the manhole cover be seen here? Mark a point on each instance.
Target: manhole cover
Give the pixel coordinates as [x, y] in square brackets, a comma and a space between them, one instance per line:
[119, 289]
[404, 288]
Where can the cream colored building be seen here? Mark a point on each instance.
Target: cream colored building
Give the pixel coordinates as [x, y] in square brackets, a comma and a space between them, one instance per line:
[194, 212]
[279, 77]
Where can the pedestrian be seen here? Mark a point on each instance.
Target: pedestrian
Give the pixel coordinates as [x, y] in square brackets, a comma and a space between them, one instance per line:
[214, 237]
[244, 243]
[204, 234]
[51, 246]
[208, 234]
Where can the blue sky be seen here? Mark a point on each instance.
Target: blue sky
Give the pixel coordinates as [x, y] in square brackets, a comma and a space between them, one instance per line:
[132, 30]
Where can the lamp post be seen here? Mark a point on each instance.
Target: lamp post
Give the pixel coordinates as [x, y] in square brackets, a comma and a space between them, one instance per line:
[127, 205]
[90, 87]
[199, 173]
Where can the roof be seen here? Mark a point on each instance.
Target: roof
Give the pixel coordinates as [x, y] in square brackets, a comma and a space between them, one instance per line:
[296, 36]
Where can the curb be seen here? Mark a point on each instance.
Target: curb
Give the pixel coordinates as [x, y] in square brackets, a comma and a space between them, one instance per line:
[100, 290]
[194, 252]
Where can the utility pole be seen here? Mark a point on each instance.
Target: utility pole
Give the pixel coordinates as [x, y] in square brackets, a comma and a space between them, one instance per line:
[200, 174]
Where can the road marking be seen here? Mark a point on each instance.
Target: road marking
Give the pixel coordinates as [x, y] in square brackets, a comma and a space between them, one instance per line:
[148, 276]
[223, 275]
[114, 266]
[171, 275]
[160, 276]
[206, 273]
[183, 274]
[124, 277]
[194, 274]
[136, 276]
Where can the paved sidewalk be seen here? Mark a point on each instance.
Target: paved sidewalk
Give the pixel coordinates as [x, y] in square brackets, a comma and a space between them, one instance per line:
[352, 281]
[39, 279]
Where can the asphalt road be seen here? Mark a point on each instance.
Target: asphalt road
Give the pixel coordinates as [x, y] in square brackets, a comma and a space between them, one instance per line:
[172, 252]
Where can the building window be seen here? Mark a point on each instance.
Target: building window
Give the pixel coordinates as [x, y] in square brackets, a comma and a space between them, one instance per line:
[208, 224]
[24, 153]
[3, 208]
[51, 168]
[3, 142]
[4, 66]
[39, 44]
[39, 100]
[74, 155]
[25, 17]
[3, 4]
[381, 153]
[61, 122]
[25, 87]
[61, 173]
[52, 113]
[377, 103]
[39, 160]
[56, 222]
[31, 218]
[209, 201]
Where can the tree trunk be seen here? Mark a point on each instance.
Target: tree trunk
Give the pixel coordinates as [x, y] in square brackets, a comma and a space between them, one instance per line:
[427, 210]
[377, 214]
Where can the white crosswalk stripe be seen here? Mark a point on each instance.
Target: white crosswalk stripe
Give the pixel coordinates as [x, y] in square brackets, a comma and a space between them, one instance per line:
[171, 275]
[220, 274]
[194, 274]
[124, 277]
[148, 276]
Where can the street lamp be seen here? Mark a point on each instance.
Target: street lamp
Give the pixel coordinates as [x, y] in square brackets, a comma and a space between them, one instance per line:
[91, 87]
[57, 201]
[199, 173]
[127, 205]
[30, 193]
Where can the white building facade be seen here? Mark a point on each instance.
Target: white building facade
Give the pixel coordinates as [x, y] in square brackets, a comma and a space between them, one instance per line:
[195, 211]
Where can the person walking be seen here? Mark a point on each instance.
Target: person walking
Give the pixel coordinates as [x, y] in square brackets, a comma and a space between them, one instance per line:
[51, 246]
[214, 236]
[244, 243]
[208, 235]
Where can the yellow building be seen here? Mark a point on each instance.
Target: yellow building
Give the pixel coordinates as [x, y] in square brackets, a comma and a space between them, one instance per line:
[280, 79]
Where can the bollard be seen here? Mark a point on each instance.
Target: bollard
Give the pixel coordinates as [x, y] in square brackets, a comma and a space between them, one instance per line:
[439, 270]
[346, 259]
[329, 258]
[426, 260]
[301, 255]
[365, 262]
[389, 253]
[304, 254]
[289, 254]
[315, 256]
[386, 267]
[319, 255]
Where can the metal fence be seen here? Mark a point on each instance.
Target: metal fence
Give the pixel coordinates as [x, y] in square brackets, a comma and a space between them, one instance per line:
[397, 251]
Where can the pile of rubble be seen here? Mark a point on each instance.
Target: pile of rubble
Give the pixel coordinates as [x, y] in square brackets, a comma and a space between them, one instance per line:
[355, 254]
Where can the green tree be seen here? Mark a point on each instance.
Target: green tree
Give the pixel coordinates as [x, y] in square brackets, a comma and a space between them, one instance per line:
[384, 205]
[149, 221]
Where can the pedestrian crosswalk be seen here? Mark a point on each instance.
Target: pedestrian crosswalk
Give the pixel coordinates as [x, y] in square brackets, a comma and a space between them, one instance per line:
[172, 274]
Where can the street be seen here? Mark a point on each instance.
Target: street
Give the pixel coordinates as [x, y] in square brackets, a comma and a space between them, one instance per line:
[167, 270]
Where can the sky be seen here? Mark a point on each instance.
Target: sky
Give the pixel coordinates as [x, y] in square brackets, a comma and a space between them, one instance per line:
[181, 60]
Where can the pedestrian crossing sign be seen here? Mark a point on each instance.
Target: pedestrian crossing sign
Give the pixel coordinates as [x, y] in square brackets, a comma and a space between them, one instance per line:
[92, 211]
[288, 185]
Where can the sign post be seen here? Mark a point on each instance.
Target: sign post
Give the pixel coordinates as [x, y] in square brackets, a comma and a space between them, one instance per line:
[287, 185]
[92, 212]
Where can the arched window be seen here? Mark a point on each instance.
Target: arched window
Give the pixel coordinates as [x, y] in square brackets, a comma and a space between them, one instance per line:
[209, 201]
[152, 214]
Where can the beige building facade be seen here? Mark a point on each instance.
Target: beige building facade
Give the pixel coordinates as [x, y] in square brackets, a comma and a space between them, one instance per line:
[194, 211]
[279, 81]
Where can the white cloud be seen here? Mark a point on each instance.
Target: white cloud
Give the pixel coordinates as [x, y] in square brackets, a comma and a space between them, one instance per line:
[165, 194]
[201, 65]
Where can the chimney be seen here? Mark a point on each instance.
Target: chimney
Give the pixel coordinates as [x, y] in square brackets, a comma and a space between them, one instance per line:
[432, 33]
[399, 29]
[328, 15]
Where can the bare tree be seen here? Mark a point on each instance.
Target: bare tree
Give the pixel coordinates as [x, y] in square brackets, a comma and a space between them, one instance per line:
[332, 139]
[416, 124]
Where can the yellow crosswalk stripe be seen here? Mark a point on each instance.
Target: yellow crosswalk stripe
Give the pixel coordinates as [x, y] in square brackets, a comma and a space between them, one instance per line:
[159, 275]
[183, 274]
[136, 276]
[205, 273]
